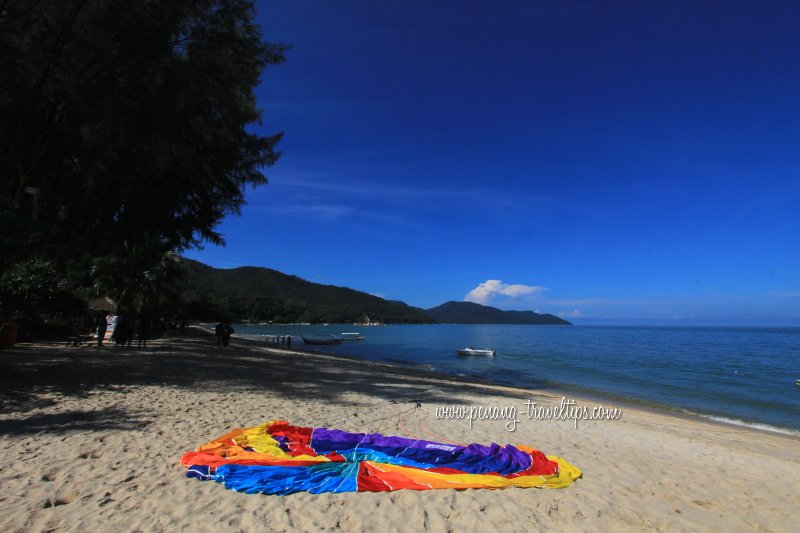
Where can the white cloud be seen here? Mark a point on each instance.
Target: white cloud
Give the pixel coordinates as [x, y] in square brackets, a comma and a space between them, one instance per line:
[318, 211]
[575, 313]
[492, 287]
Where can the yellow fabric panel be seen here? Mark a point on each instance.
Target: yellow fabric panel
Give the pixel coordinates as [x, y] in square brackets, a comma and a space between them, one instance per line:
[257, 438]
[567, 474]
[262, 442]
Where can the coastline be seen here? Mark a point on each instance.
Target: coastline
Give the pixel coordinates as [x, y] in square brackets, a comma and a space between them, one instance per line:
[554, 389]
[93, 437]
[719, 373]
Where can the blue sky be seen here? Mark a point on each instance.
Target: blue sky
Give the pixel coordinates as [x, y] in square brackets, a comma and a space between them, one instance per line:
[610, 162]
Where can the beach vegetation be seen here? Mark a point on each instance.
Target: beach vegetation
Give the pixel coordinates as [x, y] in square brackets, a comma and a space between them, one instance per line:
[126, 135]
[37, 298]
[128, 122]
[133, 278]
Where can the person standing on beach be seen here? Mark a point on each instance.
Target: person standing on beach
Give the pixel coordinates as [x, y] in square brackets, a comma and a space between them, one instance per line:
[102, 325]
[220, 331]
[226, 339]
[121, 331]
[289, 342]
[144, 329]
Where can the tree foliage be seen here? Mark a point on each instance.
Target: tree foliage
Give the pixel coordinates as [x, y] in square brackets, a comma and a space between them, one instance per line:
[126, 125]
[33, 291]
[133, 280]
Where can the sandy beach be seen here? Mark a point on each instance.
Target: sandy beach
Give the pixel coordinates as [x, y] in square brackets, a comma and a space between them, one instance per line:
[93, 439]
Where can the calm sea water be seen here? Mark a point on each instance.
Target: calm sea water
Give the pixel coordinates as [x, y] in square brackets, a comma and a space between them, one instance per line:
[744, 375]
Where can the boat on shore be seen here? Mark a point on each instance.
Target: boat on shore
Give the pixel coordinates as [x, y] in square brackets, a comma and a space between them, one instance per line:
[321, 340]
[474, 351]
[352, 337]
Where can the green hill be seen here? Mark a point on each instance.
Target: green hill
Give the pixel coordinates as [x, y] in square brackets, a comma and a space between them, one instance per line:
[263, 294]
[472, 313]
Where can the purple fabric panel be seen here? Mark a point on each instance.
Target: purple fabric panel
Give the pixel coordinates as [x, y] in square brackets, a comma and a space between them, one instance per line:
[325, 440]
[475, 458]
[283, 442]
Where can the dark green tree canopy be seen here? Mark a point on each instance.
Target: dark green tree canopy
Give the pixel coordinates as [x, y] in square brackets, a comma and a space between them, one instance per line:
[126, 122]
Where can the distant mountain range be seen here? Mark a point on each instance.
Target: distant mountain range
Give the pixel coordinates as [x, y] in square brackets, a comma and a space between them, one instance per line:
[472, 313]
[262, 294]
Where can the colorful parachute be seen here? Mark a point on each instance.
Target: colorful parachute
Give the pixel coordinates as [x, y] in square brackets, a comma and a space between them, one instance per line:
[278, 458]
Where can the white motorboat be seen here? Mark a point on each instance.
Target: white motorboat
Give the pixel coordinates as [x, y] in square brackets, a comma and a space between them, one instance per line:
[474, 351]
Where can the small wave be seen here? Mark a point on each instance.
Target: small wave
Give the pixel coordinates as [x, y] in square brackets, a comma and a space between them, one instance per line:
[752, 425]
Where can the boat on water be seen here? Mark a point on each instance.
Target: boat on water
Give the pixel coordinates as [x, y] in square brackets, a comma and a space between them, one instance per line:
[321, 340]
[351, 337]
[474, 351]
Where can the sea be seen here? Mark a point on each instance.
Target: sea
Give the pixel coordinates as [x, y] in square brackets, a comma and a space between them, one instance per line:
[737, 375]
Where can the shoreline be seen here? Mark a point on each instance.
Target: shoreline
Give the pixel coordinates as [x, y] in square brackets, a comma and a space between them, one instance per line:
[557, 390]
[93, 438]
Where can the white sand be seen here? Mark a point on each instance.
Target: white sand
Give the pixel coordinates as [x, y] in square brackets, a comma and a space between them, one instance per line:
[92, 440]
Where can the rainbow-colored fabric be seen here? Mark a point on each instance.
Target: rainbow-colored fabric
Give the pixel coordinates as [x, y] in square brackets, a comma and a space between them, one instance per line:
[278, 458]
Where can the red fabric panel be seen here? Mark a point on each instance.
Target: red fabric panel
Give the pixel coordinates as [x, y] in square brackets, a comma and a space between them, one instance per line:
[540, 466]
[213, 460]
[372, 480]
[298, 439]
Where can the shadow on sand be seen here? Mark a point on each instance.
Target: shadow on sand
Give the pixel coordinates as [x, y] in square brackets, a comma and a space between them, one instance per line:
[29, 375]
[110, 418]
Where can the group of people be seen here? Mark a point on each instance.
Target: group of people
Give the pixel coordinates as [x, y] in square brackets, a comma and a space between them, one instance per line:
[124, 329]
[223, 331]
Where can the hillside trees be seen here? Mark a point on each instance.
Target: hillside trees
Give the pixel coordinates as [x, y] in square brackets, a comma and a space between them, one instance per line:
[126, 125]
[263, 294]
